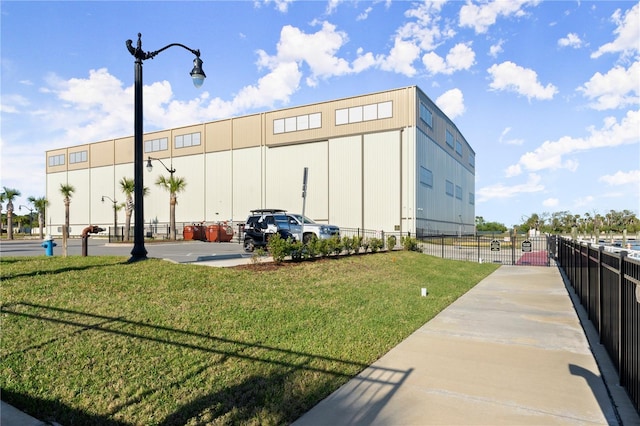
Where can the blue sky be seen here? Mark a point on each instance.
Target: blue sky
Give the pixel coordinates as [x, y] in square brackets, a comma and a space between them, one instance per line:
[546, 93]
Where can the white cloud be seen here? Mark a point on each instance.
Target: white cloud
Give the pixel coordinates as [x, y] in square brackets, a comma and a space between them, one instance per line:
[401, 58]
[496, 49]
[550, 155]
[523, 81]
[13, 104]
[501, 191]
[280, 5]
[550, 202]
[460, 57]
[504, 140]
[571, 40]
[481, 17]
[618, 88]
[364, 15]
[627, 32]
[425, 31]
[451, 103]
[317, 50]
[622, 178]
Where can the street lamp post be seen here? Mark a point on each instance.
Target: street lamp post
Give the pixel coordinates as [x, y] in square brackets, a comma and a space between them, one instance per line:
[30, 217]
[171, 170]
[115, 213]
[139, 252]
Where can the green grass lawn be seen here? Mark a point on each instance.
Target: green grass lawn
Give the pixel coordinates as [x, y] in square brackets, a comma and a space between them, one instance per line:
[94, 340]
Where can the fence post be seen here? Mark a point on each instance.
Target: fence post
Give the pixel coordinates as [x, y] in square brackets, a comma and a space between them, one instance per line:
[478, 243]
[619, 325]
[600, 280]
[442, 245]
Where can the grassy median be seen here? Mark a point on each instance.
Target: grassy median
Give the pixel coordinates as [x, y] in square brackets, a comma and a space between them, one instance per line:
[94, 340]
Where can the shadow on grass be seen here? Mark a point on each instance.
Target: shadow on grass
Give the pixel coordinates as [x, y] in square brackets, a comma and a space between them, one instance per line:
[53, 271]
[55, 411]
[250, 398]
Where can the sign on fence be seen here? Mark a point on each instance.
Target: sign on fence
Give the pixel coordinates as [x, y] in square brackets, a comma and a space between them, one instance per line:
[526, 246]
[495, 245]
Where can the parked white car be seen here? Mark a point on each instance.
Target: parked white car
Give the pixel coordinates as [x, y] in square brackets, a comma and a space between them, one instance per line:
[310, 228]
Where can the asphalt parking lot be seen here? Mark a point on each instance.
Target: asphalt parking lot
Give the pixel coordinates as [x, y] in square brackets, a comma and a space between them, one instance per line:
[177, 251]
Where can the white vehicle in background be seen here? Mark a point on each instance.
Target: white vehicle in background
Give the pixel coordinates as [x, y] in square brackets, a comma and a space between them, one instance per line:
[310, 228]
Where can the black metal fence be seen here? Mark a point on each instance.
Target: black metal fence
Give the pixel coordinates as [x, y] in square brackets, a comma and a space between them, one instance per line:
[608, 286]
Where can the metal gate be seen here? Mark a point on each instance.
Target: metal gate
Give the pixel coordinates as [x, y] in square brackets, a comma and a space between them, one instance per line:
[506, 250]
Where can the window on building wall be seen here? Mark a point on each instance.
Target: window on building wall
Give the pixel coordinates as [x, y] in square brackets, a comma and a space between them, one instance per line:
[472, 198]
[449, 137]
[449, 188]
[426, 115]
[385, 110]
[459, 148]
[370, 112]
[297, 123]
[364, 113]
[426, 177]
[154, 145]
[56, 160]
[77, 157]
[472, 159]
[458, 192]
[184, 141]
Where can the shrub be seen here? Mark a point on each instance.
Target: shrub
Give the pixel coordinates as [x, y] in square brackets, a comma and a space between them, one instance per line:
[356, 243]
[410, 244]
[376, 244]
[335, 244]
[391, 242]
[278, 247]
[365, 244]
[323, 248]
[347, 244]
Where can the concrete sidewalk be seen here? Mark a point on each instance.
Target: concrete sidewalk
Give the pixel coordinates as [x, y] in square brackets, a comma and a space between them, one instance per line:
[511, 351]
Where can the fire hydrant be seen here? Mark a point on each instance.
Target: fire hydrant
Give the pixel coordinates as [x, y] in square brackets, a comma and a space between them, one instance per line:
[91, 229]
[48, 245]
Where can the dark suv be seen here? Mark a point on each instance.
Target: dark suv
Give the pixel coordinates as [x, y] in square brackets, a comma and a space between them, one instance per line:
[263, 223]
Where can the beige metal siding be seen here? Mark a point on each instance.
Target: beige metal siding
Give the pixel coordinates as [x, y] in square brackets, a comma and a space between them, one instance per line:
[101, 184]
[284, 172]
[247, 181]
[345, 181]
[381, 194]
[402, 116]
[218, 136]
[247, 131]
[101, 154]
[56, 169]
[124, 150]
[218, 186]
[189, 150]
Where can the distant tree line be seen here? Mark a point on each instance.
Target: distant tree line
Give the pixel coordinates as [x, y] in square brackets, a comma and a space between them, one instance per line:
[564, 222]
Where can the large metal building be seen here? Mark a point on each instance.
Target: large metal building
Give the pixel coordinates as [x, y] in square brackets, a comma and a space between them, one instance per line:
[388, 161]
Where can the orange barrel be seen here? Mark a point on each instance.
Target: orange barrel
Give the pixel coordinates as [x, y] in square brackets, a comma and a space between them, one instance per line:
[187, 233]
[226, 233]
[213, 233]
[198, 232]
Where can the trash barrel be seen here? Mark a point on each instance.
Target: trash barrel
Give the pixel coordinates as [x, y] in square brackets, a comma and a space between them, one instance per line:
[213, 233]
[226, 233]
[199, 232]
[187, 233]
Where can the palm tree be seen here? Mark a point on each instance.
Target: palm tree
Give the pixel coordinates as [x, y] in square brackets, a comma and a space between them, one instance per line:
[127, 186]
[66, 190]
[41, 205]
[1, 201]
[174, 186]
[9, 196]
